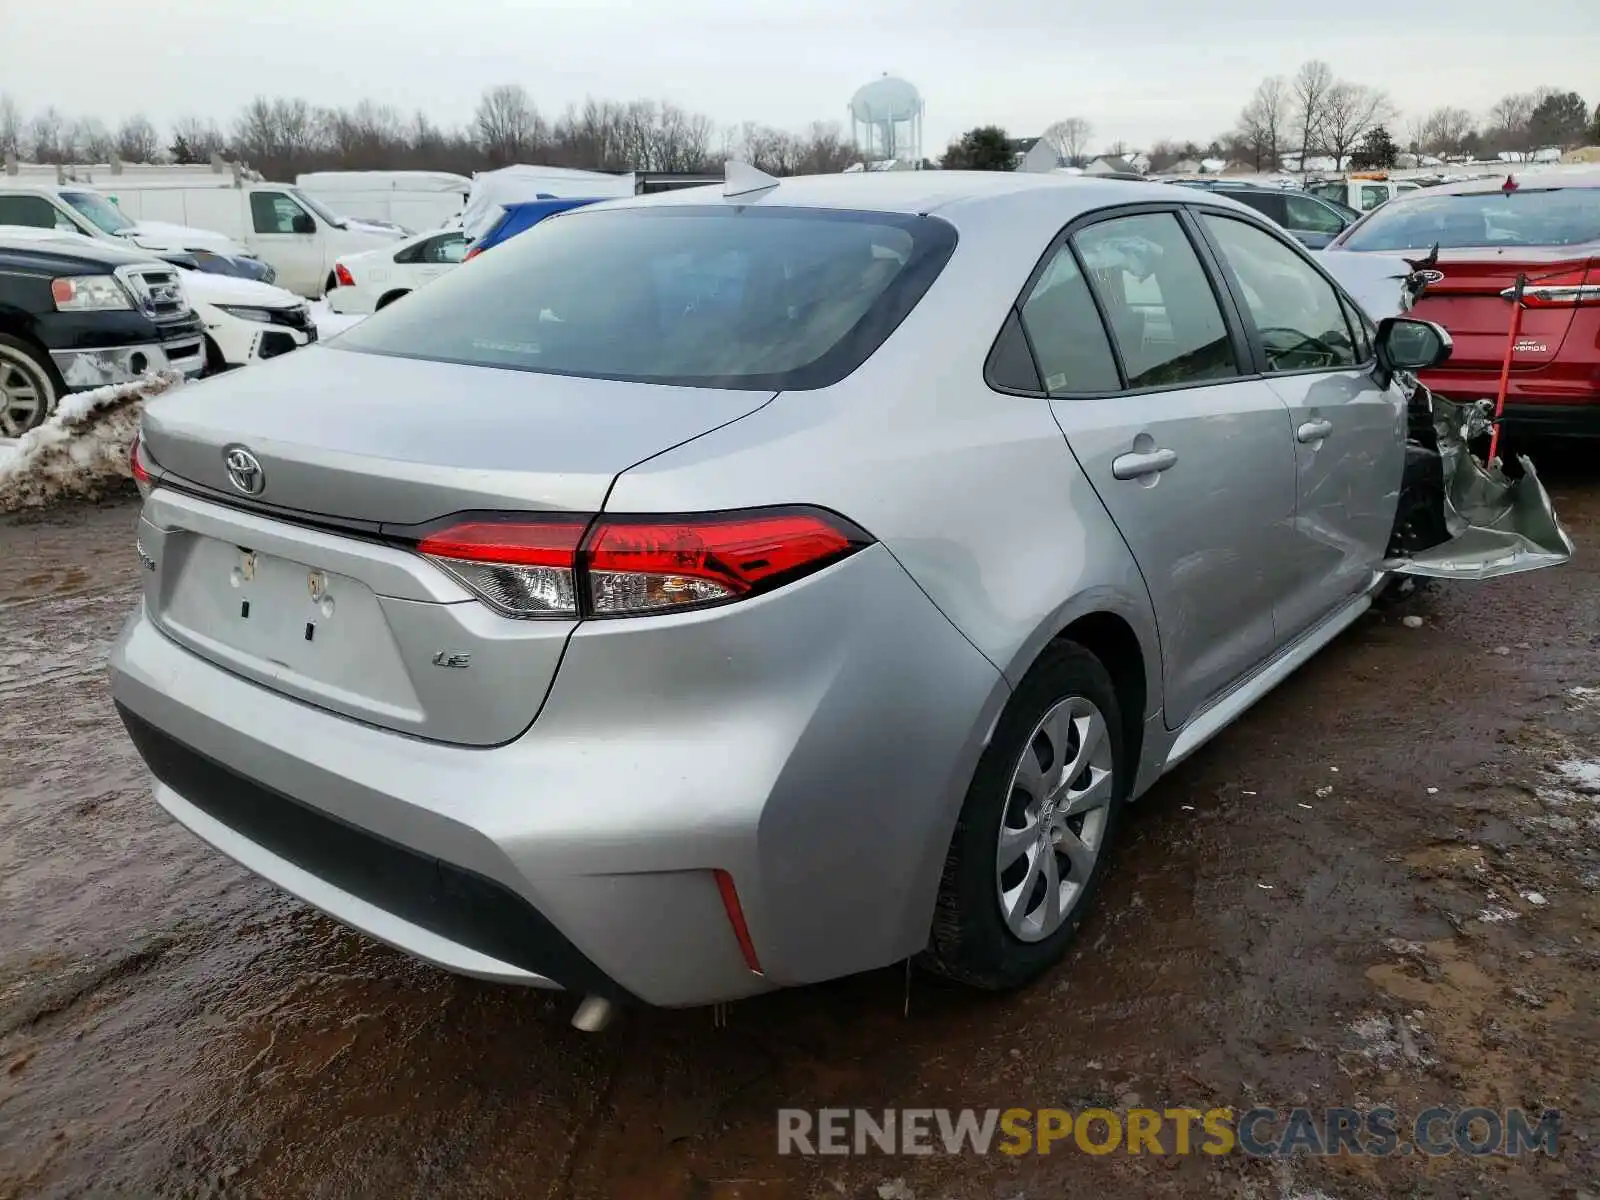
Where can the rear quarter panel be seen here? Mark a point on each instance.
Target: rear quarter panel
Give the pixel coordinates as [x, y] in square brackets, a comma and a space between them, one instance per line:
[974, 492]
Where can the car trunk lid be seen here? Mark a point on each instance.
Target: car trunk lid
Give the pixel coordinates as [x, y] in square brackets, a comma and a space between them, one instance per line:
[1468, 299]
[308, 587]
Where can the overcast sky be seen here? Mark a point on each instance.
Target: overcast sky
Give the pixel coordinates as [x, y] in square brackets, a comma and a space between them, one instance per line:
[1137, 69]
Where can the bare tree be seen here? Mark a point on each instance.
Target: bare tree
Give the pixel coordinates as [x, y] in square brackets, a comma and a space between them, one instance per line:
[196, 139]
[10, 127]
[1069, 138]
[1348, 112]
[137, 140]
[47, 140]
[1445, 130]
[509, 126]
[1509, 122]
[1261, 124]
[1308, 97]
[1117, 149]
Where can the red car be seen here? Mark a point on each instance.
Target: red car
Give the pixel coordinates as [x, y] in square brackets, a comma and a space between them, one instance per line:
[1545, 226]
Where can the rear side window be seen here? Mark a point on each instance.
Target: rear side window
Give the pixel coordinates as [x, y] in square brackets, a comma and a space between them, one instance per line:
[1265, 203]
[1163, 314]
[1307, 214]
[1068, 338]
[1297, 313]
[1525, 217]
[731, 297]
[33, 211]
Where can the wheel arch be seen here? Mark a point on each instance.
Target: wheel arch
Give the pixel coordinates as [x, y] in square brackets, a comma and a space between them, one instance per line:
[390, 297]
[1121, 632]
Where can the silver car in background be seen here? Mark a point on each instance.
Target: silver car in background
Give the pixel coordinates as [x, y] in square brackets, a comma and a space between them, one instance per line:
[720, 591]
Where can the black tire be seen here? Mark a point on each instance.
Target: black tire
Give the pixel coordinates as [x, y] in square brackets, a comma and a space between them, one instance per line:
[387, 299]
[329, 284]
[970, 941]
[26, 370]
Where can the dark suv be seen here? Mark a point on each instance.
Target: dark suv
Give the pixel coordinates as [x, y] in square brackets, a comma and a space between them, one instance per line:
[1311, 220]
[76, 314]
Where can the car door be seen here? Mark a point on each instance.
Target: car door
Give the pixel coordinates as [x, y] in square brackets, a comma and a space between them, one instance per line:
[1313, 224]
[1349, 429]
[1194, 463]
[284, 234]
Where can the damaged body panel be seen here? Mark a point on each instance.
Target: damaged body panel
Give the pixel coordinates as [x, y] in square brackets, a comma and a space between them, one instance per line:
[1457, 517]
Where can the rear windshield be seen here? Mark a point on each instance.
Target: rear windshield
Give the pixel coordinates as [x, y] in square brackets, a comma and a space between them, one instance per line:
[1524, 217]
[730, 297]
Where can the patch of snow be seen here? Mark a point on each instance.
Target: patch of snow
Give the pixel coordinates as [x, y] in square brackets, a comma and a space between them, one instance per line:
[1580, 774]
[1536, 899]
[1412, 622]
[1494, 914]
[329, 322]
[82, 449]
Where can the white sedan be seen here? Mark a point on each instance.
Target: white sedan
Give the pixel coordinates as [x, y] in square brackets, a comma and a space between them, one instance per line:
[374, 278]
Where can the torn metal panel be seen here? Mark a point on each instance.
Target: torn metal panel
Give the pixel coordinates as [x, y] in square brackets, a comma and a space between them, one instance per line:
[1497, 525]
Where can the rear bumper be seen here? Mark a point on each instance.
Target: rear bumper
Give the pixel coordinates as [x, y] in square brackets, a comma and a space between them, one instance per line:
[815, 743]
[353, 301]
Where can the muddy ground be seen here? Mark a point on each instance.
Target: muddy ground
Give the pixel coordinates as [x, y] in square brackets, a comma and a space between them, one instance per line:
[1295, 916]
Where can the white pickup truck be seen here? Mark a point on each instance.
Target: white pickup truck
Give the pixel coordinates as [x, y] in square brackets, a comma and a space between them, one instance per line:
[1362, 192]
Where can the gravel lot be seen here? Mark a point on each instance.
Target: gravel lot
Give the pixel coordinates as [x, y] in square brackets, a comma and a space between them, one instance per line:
[1296, 916]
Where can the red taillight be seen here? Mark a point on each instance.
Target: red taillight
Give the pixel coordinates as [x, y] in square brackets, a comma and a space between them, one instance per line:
[141, 473]
[741, 930]
[342, 274]
[473, 253]
[1567, 289]
[628, 566]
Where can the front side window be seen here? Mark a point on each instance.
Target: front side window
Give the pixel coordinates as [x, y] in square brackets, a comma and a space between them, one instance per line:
[1163, 314]
[1372, 195]
[274, 212]
[1069, 340]
[33, 211]
[1306, 214]
[1297, 312]
[98, 209]
[731, 297]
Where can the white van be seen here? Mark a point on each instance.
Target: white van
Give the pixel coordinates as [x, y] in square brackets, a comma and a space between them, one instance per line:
[417, 200]
[276, 222]
[78, 208]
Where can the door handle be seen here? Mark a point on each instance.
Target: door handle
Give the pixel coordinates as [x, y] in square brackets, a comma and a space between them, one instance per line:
[1138, 465]
[1313, 431]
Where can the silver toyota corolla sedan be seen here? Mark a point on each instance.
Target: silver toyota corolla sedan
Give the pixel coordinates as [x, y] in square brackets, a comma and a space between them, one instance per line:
[738, 588]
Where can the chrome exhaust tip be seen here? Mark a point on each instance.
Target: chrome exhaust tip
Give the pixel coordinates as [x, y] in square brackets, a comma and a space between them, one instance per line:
[594, 1014]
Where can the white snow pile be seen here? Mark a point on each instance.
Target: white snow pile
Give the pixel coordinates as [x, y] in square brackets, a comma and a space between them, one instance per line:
[81, 452]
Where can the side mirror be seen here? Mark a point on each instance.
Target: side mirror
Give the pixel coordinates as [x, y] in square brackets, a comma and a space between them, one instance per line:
[303, 223]
[1405, 344]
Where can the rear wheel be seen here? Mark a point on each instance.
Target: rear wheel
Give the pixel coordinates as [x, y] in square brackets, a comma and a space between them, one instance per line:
[1030, 845]
[29, 387]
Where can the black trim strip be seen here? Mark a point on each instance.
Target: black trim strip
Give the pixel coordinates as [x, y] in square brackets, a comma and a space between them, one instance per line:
[461, 905]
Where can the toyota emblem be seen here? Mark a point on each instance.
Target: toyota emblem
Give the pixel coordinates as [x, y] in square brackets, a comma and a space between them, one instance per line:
[244, 470]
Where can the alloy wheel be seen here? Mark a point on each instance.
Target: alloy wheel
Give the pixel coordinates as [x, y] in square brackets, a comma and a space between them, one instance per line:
[23, 399]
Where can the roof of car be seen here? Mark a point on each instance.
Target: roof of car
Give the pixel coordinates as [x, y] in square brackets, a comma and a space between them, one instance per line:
[914, 192]
[1532, 180]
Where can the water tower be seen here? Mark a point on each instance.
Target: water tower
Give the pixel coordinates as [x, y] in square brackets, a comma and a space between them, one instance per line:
[886, 121]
